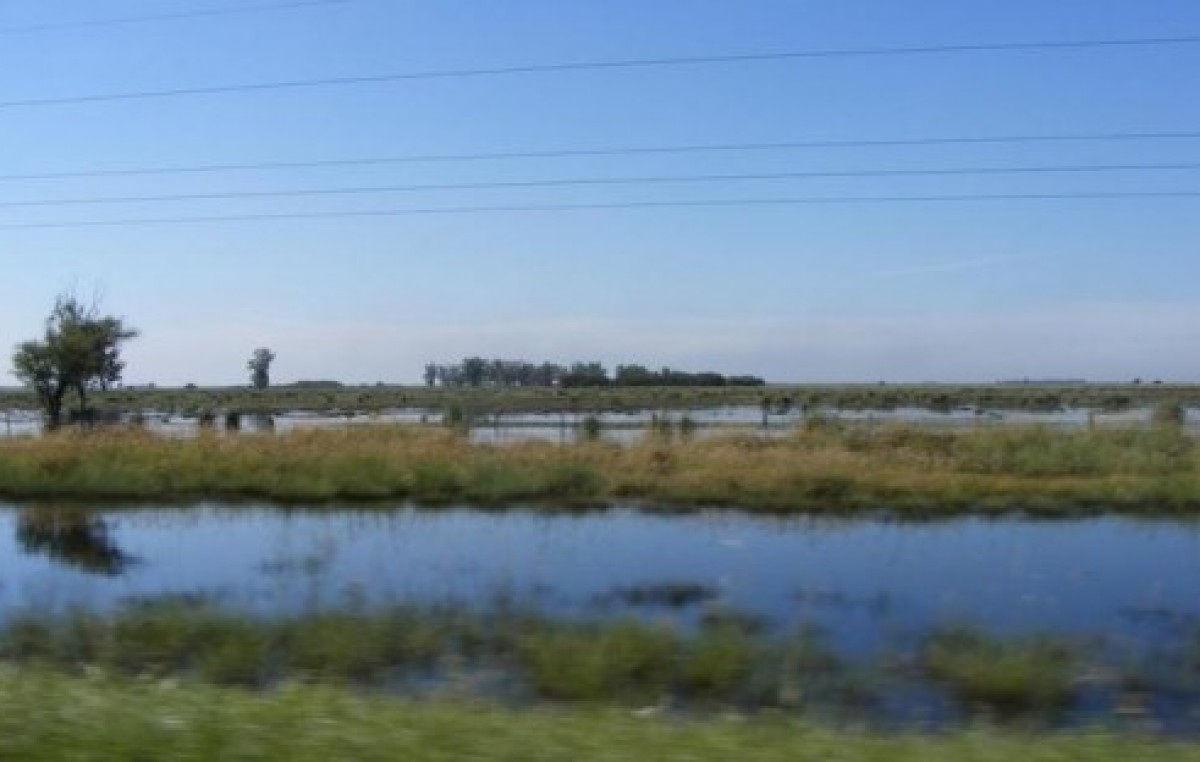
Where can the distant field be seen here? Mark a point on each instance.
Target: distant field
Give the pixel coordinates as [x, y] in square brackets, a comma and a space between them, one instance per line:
[484, 401]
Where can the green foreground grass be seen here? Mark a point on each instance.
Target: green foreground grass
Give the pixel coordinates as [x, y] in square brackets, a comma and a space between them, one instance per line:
[826, 467]
[49, 717]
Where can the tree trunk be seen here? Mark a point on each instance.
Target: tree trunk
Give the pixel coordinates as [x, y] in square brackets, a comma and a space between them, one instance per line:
[54, 406]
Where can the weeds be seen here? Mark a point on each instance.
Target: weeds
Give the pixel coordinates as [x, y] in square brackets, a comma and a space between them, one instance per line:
[1010, 678]
[826, 467]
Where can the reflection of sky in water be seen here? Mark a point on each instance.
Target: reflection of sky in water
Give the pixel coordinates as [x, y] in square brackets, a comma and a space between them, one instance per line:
[866, 582]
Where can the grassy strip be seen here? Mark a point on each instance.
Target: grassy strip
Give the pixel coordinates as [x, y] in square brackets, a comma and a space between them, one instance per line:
[726, 662]
[827, 467]
[625, 662]
[46, 717]
[529, 399]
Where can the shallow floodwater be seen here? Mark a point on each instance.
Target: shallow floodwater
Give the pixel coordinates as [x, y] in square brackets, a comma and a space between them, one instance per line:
[631, 426]
[866, 583]
[873, 590]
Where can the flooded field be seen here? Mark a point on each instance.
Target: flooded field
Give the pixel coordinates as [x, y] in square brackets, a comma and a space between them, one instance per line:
[620, 427]
[872, 590]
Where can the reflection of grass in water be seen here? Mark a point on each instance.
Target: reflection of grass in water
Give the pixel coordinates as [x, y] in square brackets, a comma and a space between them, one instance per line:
[49, 717]
[1009, 677]
[672, 595]
[832, 468]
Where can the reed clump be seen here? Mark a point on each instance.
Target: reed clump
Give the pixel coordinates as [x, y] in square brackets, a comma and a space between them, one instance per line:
[826, 468]
[1008, 677]
[623, 661]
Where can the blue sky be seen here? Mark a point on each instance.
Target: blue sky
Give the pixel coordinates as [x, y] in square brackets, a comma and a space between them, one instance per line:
[898, 292]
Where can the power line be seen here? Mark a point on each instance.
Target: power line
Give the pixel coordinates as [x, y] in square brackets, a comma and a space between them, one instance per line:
[601, 152]
[60, 26]
[598, 181]
[549, 208]
[629, 63]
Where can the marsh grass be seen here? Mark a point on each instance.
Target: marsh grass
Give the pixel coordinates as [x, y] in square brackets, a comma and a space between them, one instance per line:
[47, 717]
[726, 663]
[830, 467]
[1009, 677]
[377, 398]
[1168, 413]
[622, 661]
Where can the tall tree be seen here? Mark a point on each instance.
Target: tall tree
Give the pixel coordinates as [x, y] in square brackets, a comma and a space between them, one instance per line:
[260, 367]
[80, 351]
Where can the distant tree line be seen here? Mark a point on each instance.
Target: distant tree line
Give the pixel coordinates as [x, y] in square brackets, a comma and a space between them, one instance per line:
[499, 373]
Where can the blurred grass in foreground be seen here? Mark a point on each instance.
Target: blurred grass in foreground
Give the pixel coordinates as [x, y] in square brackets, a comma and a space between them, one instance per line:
[46, 717]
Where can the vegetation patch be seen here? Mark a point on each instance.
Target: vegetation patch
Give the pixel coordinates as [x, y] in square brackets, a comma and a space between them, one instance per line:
[45, 716]
[832, 468]
[1008, 677]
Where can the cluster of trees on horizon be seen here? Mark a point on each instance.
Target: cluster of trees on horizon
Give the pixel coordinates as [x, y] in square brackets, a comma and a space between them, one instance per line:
[501, 374]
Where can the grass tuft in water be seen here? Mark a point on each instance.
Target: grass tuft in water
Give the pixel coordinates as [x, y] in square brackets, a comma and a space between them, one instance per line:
[1007, 677]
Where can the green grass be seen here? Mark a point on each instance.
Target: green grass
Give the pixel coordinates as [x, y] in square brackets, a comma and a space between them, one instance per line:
[728, 662]
[622, 661]
[830, 468]
[46, 717]
[1008, 677]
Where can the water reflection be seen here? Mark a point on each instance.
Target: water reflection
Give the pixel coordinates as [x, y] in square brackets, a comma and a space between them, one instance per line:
[73, 537]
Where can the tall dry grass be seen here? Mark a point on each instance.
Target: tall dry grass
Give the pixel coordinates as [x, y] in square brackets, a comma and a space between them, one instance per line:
[825, 468]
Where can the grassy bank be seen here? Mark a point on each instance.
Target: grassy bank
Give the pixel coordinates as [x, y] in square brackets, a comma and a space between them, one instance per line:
[45, 717]
[824, 468]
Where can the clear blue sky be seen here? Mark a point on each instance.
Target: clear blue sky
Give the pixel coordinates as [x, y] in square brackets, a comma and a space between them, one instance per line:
[950, 291]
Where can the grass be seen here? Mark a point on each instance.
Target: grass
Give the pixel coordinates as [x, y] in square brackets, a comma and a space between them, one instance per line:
[98, 719]
[777, 398]
[622, 661]
[831, 467]
[727, 662]
[1007, 677]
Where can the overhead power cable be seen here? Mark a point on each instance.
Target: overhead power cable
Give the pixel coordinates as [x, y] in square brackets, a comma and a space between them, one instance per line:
[601, 152]
[597, 181]
[60, 26]
[614, 64]
[549, 208]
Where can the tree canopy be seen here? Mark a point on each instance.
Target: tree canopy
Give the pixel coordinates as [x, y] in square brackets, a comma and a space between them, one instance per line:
[500, 373]
[259, 366]
[80, 351]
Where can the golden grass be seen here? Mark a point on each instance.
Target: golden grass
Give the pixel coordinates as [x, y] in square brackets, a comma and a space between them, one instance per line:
[829, 468]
